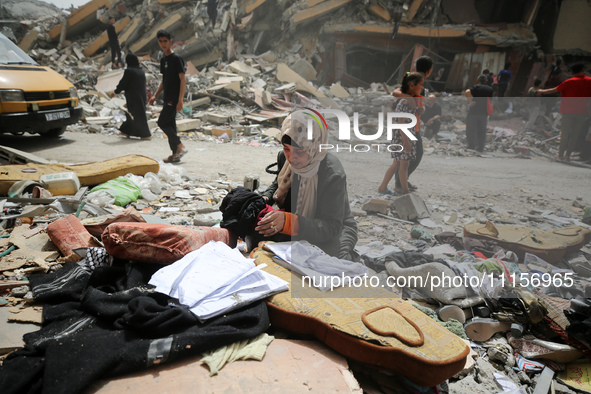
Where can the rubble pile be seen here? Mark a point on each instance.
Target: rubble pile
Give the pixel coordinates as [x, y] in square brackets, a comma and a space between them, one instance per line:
[387, 232]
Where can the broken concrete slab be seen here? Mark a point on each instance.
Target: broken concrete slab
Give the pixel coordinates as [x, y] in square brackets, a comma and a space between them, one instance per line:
[305, 69]
[217, 118]
[410, 207]
[199, 102]
[312, 13]
[107, 82]
[243, 69]
[286, 74]
[29, 40]
[132, 31]
[376, 206]
[170, 23]
[339, 91]
[81, 19]
[188, 124]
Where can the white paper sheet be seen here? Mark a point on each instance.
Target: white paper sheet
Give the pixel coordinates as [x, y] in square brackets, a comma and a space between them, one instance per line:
[215, 279]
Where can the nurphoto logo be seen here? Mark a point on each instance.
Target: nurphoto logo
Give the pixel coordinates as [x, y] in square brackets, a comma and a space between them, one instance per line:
[392, 121]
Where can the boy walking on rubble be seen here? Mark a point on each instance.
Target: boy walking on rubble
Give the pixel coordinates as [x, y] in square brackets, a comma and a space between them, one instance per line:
[172, 67]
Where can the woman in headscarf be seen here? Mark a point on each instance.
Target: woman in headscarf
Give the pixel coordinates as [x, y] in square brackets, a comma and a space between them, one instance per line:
[134, 85]
[312, 189]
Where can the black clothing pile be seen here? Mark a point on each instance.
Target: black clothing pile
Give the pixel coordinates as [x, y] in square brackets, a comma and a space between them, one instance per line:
[110, 322]
[240, 210]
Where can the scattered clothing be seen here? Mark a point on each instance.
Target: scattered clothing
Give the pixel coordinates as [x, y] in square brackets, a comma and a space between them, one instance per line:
[110, 323]
[251, 349]
[240, 211]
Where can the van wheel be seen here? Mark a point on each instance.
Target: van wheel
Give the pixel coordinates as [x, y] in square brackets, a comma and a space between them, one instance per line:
[54, 133]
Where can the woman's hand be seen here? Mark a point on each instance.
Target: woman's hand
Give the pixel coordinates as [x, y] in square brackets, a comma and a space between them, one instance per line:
[271, 223]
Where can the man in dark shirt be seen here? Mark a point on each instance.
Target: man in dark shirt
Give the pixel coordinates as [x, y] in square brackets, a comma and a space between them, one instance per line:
[432, 117]
[172, 67]
[477, 118]
[114, 43]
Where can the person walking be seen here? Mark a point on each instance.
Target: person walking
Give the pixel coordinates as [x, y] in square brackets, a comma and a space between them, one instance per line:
[574, 105]
[504, 78]
[133, 83]
[533, 104]
[477, 118]
[412, 86]
[114, 44]
[424, 65]
[172, 68]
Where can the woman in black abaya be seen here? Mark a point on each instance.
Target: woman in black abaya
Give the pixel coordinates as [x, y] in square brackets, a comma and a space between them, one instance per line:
[134, 85]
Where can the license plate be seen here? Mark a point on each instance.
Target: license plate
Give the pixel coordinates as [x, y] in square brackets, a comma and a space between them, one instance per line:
[58, 115]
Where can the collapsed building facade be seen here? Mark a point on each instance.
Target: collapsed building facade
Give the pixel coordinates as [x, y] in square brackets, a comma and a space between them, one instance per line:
[355, 42]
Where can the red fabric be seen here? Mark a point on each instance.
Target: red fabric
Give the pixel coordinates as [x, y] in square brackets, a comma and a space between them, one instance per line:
[575, 93]
[264, 211]
[158, 243]
[68, 234]
[479, 255]
[490, 108]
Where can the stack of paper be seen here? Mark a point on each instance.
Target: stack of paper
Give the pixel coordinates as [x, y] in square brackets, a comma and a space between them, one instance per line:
[215, 279]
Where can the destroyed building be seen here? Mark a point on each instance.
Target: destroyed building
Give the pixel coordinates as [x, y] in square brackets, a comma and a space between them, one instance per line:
[352, 42]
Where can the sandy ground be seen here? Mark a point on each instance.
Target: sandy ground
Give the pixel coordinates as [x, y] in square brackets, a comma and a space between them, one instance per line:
[502, 180]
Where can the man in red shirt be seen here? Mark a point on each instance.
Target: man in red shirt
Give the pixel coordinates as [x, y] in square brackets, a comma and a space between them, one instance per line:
[574, 105]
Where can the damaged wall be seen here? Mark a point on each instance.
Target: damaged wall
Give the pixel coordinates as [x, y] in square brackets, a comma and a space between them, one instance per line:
[373, 37]
[573, 30]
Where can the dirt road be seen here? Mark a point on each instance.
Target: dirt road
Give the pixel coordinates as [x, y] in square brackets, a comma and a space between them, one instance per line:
[500, 181]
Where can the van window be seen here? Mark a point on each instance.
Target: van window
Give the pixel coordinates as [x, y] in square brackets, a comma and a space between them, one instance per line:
[12, 54]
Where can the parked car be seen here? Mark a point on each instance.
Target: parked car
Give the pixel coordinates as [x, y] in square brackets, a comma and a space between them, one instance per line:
[33, 99]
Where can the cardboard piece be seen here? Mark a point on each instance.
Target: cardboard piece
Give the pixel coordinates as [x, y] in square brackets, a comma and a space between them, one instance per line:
[11, 334]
